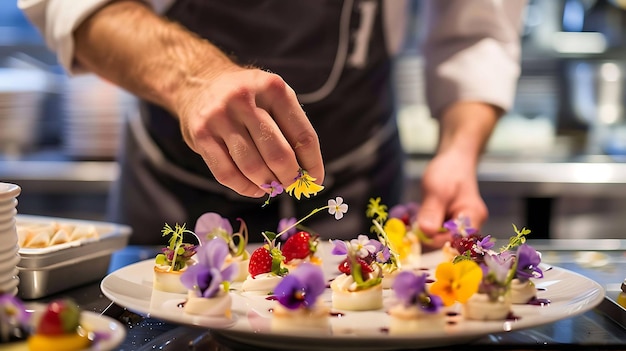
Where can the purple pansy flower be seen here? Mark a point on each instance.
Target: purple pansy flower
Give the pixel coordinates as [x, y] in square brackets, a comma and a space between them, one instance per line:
[14, 310]
[210, 225]
[301, 287]
[483, 245]
[410, 289]
[285, 223]
[496, 268]
[528, 260]
[206, 276]
[339, 248]
[275, 189]
[459, 226]
[405, 212]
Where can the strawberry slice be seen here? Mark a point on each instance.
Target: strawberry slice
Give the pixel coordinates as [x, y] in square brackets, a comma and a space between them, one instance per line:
[260, 262]
[298, 246]
[344, 266]
[61, 317]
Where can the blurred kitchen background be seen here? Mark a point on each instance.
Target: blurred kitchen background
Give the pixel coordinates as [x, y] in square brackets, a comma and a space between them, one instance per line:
[555, 164]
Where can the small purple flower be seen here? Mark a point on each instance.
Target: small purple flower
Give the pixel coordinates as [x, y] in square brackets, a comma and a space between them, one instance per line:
[459, 226]
[14, 310]
[285, 223]
[405, 212]
[209, 273]
[340, 248]
[210, 225]
[528, 260]
[484, 245]
[301, 287]
[497, 267]
[410, 289]
[275, 189]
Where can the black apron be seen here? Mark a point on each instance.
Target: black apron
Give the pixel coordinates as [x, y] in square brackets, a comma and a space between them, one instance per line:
[332, 53]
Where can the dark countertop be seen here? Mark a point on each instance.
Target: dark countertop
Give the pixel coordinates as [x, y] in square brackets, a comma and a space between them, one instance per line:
[603, 328]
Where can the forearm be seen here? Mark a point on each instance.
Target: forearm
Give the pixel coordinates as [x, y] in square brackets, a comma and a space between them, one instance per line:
[465, 130]
[126, 43]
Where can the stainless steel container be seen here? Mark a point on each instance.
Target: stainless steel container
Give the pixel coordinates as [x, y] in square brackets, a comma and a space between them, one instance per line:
[53, 269]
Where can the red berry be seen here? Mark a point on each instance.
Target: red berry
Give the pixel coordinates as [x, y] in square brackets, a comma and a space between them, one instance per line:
[297, 246]
[60, 317]
[344, 266]
[260, 262]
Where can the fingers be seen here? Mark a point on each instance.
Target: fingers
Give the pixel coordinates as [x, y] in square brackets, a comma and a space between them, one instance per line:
[430, 219]
[253, 132]
[282, 104]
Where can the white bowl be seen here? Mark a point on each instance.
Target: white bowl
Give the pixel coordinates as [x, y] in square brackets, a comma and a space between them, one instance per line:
[8, 240]
[8, 277]
[8, 191]
[8, 255]
[10, 284]
[8, 205]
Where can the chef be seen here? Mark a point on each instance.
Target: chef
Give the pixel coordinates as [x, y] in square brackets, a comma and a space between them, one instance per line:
[237, 94]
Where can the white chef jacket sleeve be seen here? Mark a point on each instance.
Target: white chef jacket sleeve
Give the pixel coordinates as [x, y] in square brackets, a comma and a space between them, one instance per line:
[471, 51]
[57, 20]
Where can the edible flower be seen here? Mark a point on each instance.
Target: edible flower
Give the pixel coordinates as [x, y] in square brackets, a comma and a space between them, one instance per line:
[498, 272]
[12, 313]
[362, 246]
[301, 287]
[527, 265]
[275, 189]
[303, 184]
[456, 281]
[287, 226]
[410, 289]
[460, 226]
[209, 274]
[211, 225]
[177, 253]
[334, 207]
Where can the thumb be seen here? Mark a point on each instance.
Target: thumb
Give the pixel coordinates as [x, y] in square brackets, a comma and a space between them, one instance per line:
[430, 219]
[430, 216]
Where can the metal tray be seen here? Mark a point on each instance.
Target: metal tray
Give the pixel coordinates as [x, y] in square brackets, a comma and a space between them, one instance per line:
[50, 270]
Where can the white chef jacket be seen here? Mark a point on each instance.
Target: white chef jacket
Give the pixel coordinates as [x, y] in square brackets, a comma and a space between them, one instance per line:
[471, 48]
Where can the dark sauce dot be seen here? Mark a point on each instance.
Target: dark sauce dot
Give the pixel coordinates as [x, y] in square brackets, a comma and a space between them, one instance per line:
[337, 314]
[270, 310]
[384, 330]
[182, 304]
[538, 302]
[272, 298]
[451, 322]
[541, 289]
[428, 281]
[547, 269]
[452, 314]
[512, 317]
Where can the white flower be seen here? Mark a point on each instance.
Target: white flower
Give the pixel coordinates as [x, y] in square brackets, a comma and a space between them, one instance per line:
[362, 246]
[337, 207]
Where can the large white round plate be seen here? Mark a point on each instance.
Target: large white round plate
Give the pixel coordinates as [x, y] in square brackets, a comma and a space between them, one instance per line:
[569, 294]
[111, 332]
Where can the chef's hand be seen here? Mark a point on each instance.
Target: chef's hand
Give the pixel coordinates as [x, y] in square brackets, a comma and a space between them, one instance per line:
[246, 123]
[448, 190]
[449, 183]
[250, 129]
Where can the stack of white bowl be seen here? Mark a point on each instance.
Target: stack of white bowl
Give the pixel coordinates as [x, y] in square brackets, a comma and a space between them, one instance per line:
[9, 248]
[94, 113]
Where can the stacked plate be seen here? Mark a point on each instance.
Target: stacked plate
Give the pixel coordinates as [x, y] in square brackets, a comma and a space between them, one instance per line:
[21, 95]
[9, 248]
[94, 111]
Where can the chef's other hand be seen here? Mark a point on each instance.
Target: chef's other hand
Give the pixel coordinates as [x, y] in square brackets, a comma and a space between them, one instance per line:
[249, 128]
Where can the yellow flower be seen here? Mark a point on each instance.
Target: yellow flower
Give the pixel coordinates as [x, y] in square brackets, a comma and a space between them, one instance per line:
[303, 185]
[396, 233]
[456, 281]
[376, 210]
